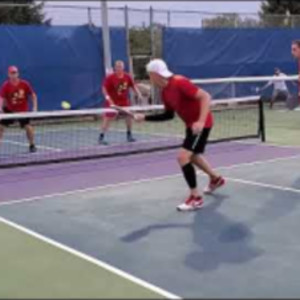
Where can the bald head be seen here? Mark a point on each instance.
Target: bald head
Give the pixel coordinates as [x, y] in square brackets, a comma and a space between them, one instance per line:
[119, 67]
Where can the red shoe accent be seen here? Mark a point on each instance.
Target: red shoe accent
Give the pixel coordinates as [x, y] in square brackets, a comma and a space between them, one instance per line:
[189, 200]
[198, 201]
[216, 183]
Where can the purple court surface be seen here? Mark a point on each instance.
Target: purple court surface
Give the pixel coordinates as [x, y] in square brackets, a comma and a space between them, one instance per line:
[33, 181]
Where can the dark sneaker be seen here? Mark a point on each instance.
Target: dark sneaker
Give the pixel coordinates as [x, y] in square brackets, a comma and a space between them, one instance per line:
[103, 142]
[130, 139]
[32, 149]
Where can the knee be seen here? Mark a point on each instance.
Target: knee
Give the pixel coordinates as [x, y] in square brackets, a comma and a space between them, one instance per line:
[28, 128]
[183, 158]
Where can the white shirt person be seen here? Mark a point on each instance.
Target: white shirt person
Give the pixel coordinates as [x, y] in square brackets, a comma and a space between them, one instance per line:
[280, 89]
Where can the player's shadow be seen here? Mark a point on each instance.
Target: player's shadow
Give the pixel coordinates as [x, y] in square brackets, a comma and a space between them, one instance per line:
[275, 208]
[218, 239]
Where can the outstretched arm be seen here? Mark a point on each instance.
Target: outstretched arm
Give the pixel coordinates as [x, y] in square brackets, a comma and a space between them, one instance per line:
[164, 116]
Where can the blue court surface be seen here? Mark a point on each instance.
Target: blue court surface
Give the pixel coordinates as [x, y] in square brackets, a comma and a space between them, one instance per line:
[243, 243]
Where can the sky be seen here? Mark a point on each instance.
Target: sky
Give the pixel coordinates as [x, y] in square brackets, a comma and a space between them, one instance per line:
[80, 16]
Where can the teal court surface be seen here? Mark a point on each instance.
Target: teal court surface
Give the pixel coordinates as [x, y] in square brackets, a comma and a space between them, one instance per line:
[109, 228]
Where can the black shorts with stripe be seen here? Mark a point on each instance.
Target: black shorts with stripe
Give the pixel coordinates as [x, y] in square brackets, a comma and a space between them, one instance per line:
[7, 122]
[196, 143]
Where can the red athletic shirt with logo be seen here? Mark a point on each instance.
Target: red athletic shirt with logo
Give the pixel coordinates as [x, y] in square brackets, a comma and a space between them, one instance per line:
[16, 96]
[179, 96]
[118, 88]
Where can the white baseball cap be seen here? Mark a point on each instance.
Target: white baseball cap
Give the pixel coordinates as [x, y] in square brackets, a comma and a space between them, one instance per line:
[160, 67]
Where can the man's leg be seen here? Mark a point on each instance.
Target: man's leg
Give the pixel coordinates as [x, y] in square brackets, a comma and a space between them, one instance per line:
[129, 129]
[30, 137]
[1, 132]
[203, 164]
[199, 160]
[185, 161]
[195, 200]
[274, 98]
[104, 128]
[216, 180]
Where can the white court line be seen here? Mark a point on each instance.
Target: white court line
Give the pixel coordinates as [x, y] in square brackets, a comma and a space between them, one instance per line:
[264, 185]
[266, 144]
[126, 183]
[26, 145]
[91, 260]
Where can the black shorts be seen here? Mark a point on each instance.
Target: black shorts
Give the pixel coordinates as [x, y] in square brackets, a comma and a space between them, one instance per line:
[7, 122]
[195, 143]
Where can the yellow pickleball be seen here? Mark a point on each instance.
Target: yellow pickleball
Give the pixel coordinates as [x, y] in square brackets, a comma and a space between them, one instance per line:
[65, 105]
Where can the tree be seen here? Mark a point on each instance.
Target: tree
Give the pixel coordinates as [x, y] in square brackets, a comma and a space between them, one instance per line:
[140, 41]
[280, 13]
[231, 20]
[28, 12]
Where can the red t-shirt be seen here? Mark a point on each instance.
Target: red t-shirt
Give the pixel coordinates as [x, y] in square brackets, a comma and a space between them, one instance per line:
[179, 96]
[299, 81]
[16, 96]
[118, 88]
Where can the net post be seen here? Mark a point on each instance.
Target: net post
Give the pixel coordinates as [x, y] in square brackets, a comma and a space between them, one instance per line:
[262, 127]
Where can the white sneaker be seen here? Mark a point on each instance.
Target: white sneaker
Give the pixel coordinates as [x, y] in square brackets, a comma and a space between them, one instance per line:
[192, 203]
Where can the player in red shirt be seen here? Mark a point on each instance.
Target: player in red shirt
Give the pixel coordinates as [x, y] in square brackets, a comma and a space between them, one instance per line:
[14, 95]
[296, 54]
[116, 91]
[192, 105]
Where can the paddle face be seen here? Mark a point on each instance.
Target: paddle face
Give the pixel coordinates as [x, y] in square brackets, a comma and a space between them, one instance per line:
[292, 102]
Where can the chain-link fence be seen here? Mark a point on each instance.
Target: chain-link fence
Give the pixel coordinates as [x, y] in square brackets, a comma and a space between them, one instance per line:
[144, 18]
[144, 26]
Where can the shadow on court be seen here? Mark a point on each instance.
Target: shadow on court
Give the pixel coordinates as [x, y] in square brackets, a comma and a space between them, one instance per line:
[219, 239]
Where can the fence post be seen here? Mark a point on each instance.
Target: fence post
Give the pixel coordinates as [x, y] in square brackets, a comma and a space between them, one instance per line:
[169, 18]
[236, 23]
[106, 37]
[89, 11]
[127, 29]
[152, 31]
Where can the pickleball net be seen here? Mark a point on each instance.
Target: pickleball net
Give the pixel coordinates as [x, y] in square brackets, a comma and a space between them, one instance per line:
[62, 136]
[237, 87]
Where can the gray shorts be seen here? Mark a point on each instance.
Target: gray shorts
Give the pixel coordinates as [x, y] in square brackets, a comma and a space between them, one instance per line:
[280, 95]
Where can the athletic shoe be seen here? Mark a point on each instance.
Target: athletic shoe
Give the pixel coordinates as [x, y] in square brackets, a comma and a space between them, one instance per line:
[130, 139]
[214, 184]
[32, 149]
[191, 203]
[103, 142]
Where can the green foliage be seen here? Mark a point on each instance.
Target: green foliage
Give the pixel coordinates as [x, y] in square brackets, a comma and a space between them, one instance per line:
[230, 21]
[284, 13]
[140, 41]
[32, 13]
